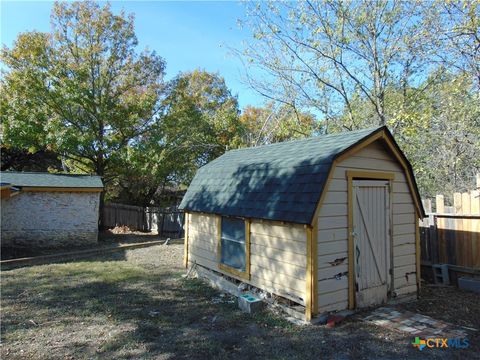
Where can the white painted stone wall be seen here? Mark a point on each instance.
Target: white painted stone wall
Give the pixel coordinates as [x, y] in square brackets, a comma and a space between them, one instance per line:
[50, 219]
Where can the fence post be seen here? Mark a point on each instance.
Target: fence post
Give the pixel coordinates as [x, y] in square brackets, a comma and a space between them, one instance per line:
[167, 222]
[467, 232]
[162, 227]
[439, 225]
[458, 223]
[181, 217]
[475, 209]
[435, 242]
[427, 204]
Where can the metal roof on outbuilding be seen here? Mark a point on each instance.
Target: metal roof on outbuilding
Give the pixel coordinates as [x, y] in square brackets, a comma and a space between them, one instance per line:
[48, 180]
[282, 181]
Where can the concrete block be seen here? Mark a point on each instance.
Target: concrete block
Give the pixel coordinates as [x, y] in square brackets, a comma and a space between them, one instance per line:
[470, 284]
[249, 303]
[440, 274]
[217, 281]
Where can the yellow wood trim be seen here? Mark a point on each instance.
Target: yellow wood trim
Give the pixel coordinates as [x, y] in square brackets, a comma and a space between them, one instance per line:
[241, 274]
[280, 223]
[390, 232]
[351, 277]
[325, 190]
[361, 146]
[59, 189]
[418, 254]
[378, 136]
[370, 175]
[315, 266]
[308, 279]
[219, 239]
[262, 221]
[351, 175]
[408, 175]
[247, 247]
[5, 192]
[185, 245]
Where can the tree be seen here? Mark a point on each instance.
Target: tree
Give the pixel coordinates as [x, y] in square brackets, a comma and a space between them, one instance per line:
[82, 90]
[323, 55]
[439, 131]
[444, 149]
[14, 159]
[275, 123]
[199, 123]
[456, 40]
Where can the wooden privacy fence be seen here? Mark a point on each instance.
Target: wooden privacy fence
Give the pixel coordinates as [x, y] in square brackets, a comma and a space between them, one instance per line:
[451, 235]
[165, 222]
[124, 215]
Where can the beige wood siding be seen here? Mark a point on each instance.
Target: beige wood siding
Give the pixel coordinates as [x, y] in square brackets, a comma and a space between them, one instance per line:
[202, 240]
[332, 229]
[277, 254]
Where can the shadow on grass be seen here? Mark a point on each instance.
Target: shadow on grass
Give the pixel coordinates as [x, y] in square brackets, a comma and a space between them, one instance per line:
[105, 240]
[106, 237]
[156, 313]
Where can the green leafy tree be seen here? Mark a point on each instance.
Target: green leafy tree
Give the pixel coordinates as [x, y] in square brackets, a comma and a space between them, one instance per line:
[442, 135]
[200, 121]
[14, 159]
[83, 90]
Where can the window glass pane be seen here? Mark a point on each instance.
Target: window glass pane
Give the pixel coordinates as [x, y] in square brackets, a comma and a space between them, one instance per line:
[233, 252]
[233, 229]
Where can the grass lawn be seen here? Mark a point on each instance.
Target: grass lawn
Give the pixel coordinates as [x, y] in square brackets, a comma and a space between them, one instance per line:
[135, 304]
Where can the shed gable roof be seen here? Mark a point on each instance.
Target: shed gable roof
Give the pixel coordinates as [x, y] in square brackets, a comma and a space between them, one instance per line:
[282, 181]
[48, 180]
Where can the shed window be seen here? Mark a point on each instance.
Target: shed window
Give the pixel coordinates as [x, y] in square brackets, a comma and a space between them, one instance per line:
[233, 244]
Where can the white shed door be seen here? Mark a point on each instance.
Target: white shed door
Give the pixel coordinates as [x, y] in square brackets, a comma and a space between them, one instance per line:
[371, 241]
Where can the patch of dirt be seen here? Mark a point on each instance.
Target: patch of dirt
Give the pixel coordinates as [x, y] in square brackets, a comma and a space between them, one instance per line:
[455, 306]
[119, 230]
[449, 304]
[124, 230]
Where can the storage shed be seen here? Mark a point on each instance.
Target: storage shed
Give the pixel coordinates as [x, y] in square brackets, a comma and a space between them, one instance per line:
[329, 222]
[40, 210]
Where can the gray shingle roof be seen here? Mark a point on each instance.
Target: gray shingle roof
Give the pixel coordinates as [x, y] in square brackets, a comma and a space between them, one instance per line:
[39, 179]
[282, 181]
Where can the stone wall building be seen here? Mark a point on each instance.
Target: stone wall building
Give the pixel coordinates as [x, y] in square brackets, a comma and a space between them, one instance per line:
[41, 210]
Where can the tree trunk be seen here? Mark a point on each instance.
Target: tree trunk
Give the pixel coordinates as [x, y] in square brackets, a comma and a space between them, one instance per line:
[101, 205]
[100, 170]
